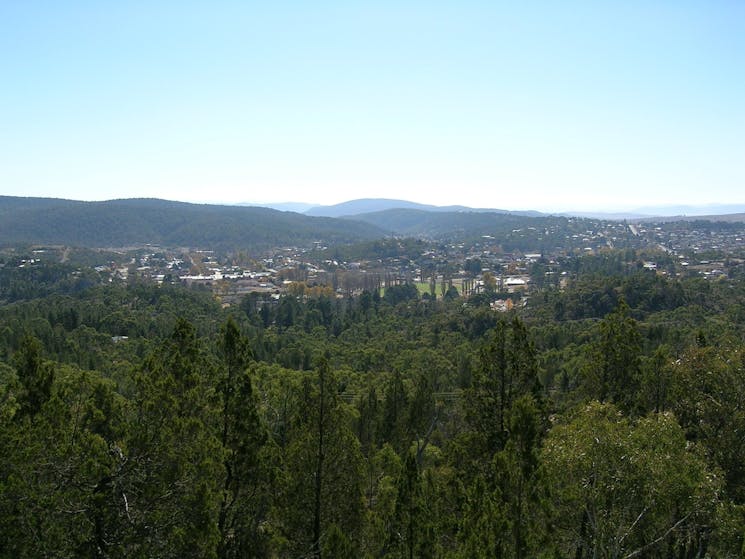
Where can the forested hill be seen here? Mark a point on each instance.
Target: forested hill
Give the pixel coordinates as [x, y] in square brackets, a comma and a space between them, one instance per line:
[117, 223]
[453, 224]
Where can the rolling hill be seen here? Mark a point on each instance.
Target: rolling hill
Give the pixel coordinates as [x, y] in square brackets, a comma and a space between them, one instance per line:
[449, 224]
[133, 222]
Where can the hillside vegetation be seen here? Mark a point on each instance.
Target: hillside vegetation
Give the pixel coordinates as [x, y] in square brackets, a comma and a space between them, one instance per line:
[118, 223]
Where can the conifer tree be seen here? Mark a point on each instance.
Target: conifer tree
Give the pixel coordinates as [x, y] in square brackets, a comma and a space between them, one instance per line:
[246, 486]
[173, 456]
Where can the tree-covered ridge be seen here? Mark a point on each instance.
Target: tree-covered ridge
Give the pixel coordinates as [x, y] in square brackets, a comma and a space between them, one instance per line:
[120, 223]
[450, 224]
[145, 420]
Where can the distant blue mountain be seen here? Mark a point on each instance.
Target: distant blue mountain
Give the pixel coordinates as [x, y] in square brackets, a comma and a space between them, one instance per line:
[672, 211]
[370, 205]
[298, 207]
[692, 210]
[362, 206]
[614, 216]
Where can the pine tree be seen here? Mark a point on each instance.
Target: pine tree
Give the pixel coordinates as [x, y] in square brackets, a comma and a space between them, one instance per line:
[324, 469]
[615, 372]
[247, 482]
[35, 375]
[173, 456]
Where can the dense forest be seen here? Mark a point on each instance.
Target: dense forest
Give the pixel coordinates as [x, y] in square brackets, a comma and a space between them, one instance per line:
[603, 419]
[130, 222]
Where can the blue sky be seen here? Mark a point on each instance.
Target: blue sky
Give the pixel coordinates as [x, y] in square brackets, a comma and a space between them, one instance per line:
[517, 105]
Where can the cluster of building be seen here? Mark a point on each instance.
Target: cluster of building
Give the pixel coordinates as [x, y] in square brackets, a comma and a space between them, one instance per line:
[691, 238]
[471, 268]
[488, 263]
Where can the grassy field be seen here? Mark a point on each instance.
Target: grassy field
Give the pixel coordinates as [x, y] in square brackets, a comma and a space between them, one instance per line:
[423, 287]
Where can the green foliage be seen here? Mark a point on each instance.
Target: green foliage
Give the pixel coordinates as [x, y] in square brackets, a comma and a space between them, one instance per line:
[396, 294]
[707, 396]
[336, 545]
[622, 489]
[118, 223]
[508, 369]
[406, 529]
[248, 459]
[60, 494]
[430, 428]
[10, 390]
[174, 459]
[615, 370]
[323, 469]
[19, 282]
[483, 524]
[381, 497]
[35, 376]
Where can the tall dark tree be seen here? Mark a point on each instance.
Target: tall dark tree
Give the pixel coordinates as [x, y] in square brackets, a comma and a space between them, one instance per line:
[406, 530]
[36, 376]
[246, 487]
[60, 494]
[395, 405]
[656, 381]
[507, 369]
[517, 479]
[615, 372]
[483, 525]
[324, 469]
[173, 455]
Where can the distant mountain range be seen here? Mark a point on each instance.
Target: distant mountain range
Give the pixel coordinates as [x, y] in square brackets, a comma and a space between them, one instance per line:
[137, 222]
[369, 205]
[730, 218]
[713, 212]
[710, 210]
[299, 207]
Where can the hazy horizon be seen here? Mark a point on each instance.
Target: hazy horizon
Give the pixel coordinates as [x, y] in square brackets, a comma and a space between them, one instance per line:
[662, 210]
